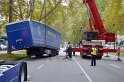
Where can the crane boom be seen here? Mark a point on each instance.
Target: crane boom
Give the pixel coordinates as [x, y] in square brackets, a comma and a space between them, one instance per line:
[91, 5]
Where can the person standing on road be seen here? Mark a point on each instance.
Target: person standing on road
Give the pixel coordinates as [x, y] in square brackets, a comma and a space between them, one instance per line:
[69, 51]
[66, 50]
[66, 56]
[68, 44]
[93, 55]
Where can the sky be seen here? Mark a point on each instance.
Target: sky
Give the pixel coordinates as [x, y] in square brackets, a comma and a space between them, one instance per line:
[65, 3]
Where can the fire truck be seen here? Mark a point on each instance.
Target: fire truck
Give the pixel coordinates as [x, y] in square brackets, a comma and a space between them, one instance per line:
[97, 36]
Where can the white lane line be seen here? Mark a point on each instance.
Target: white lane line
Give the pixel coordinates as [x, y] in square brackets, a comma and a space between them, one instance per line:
[40, 66]
[115, 65]
[89, 79]
[28, 78]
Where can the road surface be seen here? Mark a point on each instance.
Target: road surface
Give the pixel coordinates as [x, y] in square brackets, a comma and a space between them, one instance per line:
[57, 69]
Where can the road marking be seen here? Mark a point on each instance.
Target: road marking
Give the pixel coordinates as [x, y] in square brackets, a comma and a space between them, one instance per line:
[28, 78]
[47, 60]
[89, 79]
[40, 66]
[115, 65]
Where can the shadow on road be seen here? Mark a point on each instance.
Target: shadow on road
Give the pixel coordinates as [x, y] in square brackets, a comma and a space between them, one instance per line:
[38, 58]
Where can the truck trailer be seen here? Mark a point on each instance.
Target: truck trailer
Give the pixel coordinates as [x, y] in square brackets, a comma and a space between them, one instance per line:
[37, 38]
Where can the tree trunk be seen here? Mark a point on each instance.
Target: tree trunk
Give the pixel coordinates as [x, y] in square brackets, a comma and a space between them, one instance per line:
[10, 20]
[31, 8]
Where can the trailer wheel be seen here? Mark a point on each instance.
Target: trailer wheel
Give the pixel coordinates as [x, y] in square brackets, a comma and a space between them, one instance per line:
[41, 52]
[50, 55]
[23, 72]
[53, 52]
[38, 55]
[57, 52]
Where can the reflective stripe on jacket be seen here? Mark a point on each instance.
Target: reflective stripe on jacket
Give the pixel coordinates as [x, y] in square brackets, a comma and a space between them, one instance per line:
[94, 51]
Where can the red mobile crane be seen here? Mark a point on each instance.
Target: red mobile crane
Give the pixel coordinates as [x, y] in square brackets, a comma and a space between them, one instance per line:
[98, 38]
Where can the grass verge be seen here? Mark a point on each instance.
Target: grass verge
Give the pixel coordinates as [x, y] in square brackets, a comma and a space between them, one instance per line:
[12, 56]
[121, 54]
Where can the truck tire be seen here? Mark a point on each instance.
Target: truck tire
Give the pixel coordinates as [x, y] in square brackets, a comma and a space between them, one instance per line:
[39, 53]
[57, 52]
[53, 52]
[23, 72]
[50, 55]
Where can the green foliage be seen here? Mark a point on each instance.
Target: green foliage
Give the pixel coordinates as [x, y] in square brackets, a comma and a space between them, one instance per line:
[12, 56]
[113, 16]
[66, 19]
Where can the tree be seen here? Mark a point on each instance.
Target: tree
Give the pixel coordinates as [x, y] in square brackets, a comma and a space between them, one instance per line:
[114, 17]
[65, 18]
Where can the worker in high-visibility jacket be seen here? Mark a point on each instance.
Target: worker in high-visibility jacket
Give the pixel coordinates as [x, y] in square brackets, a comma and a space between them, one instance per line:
[93, 55]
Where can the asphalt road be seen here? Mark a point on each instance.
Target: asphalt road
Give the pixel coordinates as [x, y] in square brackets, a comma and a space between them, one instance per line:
[57, 69]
